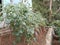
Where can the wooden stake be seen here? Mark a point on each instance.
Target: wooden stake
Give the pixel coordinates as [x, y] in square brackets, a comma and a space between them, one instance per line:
[50, 14]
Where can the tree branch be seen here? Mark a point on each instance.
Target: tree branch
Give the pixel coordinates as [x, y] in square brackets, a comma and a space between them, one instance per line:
[57, 11]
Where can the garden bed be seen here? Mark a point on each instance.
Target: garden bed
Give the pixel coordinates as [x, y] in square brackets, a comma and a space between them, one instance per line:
[6, 37]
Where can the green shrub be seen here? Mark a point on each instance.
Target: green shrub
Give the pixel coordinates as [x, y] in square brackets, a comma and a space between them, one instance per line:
[22, 21]
[58, 31]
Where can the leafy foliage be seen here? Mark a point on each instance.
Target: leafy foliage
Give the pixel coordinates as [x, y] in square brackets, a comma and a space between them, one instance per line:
[22, 21]
[57, 31]
[1, 17]
[43, 7]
